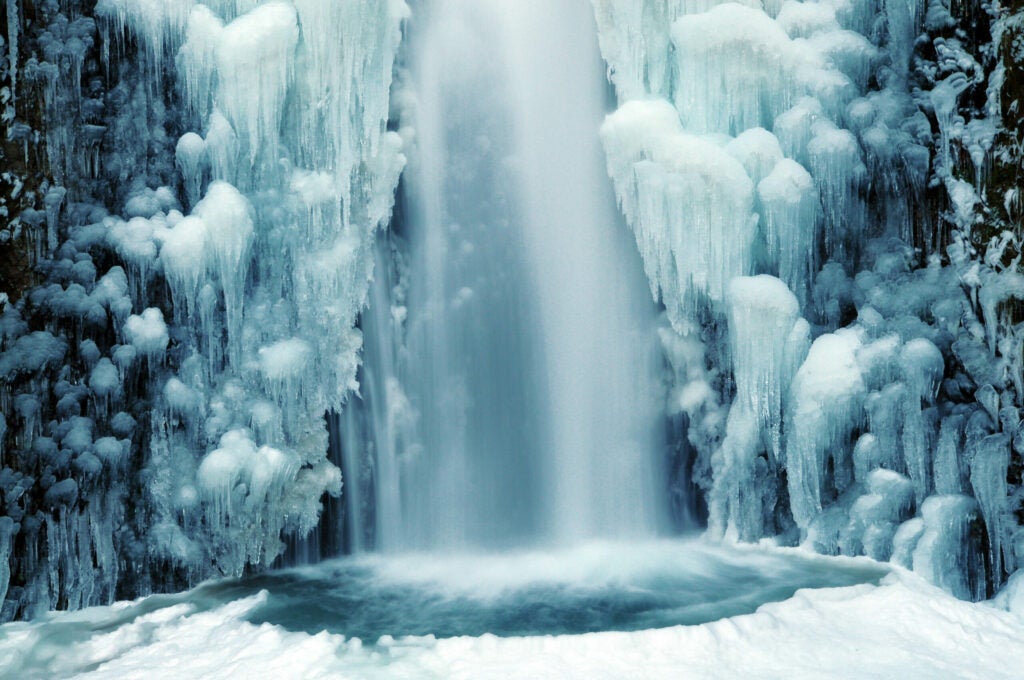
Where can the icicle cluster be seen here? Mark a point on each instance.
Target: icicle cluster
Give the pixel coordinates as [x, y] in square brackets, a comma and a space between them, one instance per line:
[232, 304]
[787, 139]
[288, 172]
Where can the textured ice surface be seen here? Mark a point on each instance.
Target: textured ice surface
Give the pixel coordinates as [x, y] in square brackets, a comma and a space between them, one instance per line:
[812, 102]
[730, 69]
[224, 317]
[688, 201]
[268, 271]
[769, 340]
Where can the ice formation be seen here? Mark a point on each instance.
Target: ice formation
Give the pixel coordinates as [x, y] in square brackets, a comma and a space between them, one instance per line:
[782, 139]
[232, 307]
[769, 340]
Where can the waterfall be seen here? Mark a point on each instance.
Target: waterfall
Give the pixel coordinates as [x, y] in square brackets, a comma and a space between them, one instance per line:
[200, 260]
[523, 404]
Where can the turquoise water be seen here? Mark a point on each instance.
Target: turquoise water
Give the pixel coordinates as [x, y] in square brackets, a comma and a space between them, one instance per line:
[592, 588]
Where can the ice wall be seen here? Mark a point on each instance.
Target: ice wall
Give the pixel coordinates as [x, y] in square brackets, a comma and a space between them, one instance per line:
[208, 325]
[794, 140]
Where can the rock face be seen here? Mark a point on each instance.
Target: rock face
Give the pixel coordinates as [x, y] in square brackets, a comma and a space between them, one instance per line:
[1007, 89]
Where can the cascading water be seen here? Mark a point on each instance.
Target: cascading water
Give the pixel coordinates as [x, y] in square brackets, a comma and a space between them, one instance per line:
[523, 404]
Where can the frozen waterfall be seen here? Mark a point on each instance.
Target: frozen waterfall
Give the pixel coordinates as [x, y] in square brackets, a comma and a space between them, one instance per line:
[291, 278]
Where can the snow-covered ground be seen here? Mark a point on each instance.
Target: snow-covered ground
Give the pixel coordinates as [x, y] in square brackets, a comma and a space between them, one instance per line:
[897, 626]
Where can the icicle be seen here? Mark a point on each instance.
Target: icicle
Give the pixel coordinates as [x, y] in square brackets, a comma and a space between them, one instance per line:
[736, 69]
[789, 203]
[689, 203]
[53, 200]
[230, 233]
[835, 162]
[159, 24]
[758, 150]
[762, 316]
[944, 553]
[825, 403]
[947, 471]
[875, 515]
[191, 160]
[197, 77]
[922, 366]
[988, 479]
[8, 528]
[255, 54]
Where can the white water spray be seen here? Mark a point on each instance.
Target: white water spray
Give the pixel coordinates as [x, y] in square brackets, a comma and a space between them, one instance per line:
[529, 363]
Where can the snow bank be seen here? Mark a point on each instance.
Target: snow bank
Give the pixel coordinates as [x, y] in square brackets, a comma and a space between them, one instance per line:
[902, 627]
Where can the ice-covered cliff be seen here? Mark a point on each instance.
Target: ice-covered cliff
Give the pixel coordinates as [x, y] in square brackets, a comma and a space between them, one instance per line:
[845, 148]
[217, 173]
